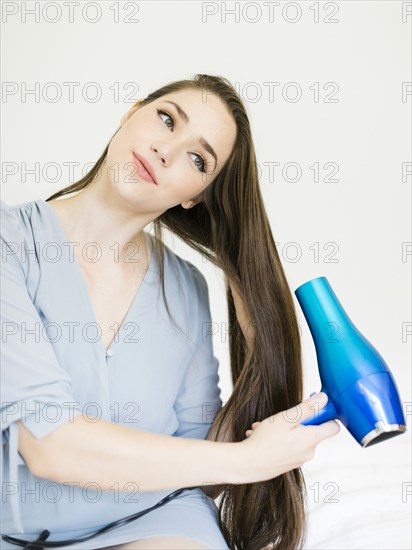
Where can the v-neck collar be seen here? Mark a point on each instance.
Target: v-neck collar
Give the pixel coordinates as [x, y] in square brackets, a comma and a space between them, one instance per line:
[149, 276]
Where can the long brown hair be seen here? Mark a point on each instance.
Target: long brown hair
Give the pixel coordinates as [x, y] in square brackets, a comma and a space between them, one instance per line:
[230, 228]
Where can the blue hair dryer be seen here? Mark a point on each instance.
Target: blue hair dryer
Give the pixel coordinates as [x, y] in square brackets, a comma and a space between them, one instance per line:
[361, 390]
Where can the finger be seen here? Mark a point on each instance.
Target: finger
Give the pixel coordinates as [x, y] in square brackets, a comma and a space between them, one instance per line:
[306, 409]
[329, 429]
[325, 430]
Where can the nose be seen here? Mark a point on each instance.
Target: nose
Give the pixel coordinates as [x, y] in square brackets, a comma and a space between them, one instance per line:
[167, 150]
[164, 152]
[157, 153]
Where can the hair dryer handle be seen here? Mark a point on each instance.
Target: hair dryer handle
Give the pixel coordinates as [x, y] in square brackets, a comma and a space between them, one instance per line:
[324, 415]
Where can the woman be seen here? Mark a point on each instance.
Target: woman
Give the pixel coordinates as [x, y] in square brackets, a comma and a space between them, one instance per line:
[183, 158]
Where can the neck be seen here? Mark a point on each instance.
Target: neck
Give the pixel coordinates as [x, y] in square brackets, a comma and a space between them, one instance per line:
[108, 226]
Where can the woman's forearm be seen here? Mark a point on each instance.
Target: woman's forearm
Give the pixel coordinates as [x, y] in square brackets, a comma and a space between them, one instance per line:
[107, 453]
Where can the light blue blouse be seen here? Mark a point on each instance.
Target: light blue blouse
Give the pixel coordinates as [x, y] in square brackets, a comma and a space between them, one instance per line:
[54, 367]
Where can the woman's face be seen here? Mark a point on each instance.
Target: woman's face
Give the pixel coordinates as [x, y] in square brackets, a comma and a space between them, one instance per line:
[178, 142]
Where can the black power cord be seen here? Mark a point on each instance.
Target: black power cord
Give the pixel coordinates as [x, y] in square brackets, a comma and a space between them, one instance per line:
[40, 543]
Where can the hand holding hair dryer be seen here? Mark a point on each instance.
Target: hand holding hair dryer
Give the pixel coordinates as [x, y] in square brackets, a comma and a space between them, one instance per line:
[361, 390]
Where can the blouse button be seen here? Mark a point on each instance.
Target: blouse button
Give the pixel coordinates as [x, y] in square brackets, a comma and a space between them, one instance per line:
[109, 353]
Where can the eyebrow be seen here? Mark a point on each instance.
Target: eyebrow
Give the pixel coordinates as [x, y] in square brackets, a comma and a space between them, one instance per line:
[202, 140]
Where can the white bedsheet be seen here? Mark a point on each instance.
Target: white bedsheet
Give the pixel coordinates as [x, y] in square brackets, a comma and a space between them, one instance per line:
[360, 498]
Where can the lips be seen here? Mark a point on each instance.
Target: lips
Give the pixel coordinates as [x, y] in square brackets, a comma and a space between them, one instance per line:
[144, 168]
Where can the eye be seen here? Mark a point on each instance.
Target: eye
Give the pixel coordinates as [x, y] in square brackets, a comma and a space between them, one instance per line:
[159, 112]
[200, 167]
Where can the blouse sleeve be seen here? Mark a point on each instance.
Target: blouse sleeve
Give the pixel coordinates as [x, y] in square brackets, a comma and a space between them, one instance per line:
[35, 389]
[198, 399]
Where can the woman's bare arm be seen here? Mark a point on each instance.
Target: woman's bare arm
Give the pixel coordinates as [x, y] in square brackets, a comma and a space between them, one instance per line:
[213, 490]
[84, 451]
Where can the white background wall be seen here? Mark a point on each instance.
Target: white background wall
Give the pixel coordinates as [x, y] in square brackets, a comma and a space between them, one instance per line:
[341, 82]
